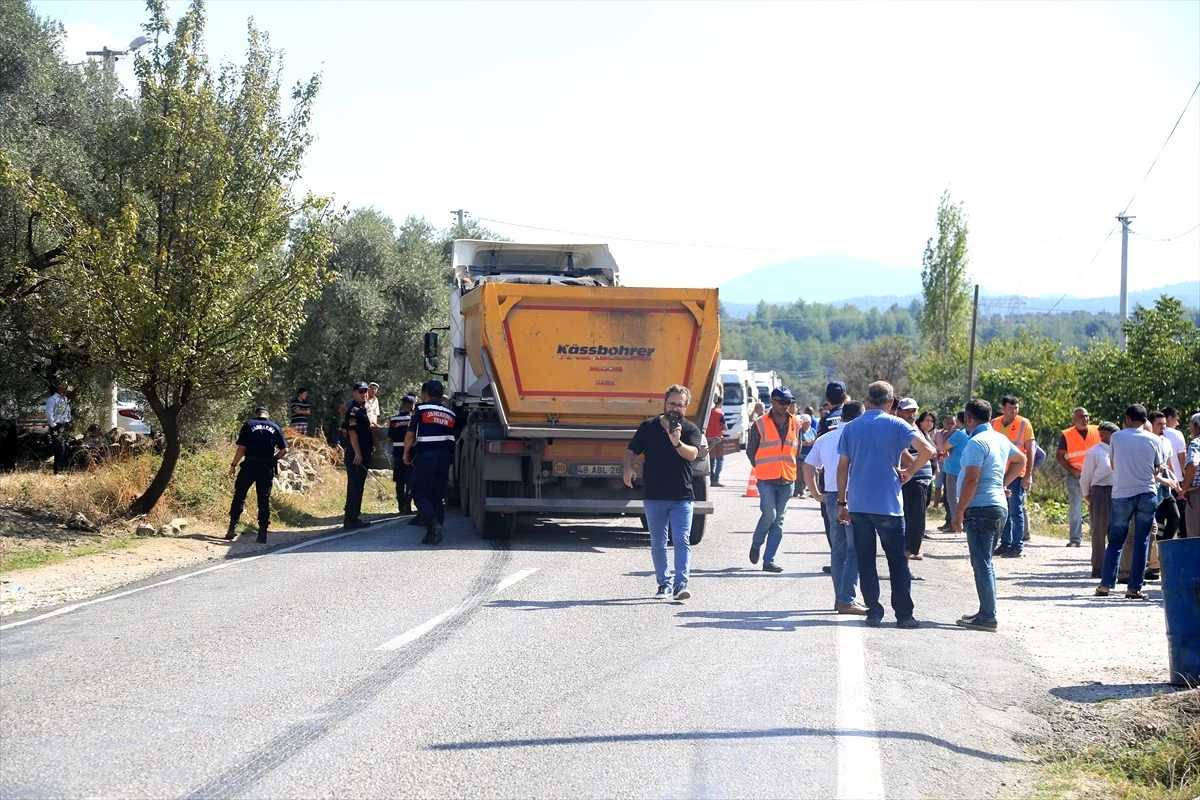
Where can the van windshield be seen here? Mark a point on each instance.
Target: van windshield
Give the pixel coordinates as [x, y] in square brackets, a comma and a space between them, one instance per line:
[733, 394]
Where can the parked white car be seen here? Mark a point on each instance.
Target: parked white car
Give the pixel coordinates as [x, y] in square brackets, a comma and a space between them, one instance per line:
[129, 413]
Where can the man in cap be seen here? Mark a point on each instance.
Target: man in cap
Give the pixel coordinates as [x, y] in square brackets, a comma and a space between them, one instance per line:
[1073, 446]
[401, 472]
[835, 395]
[869, 498]
[429, 451]
[358, 441]
[773, 447]
[260, 444]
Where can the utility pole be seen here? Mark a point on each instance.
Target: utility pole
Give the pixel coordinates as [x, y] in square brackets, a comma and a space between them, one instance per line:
[971, 360]
[1124, 220]
[460, 213]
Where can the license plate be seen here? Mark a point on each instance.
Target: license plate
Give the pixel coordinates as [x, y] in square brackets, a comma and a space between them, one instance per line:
[604, 470]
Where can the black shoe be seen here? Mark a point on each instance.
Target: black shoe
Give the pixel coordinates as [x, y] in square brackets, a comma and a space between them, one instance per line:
[231, 534]
[908, 623]
[828, 570]
[1151, 575]
[754, 548]
[427, 539]
[355, 524]
[416, 521]
[1012, 552]
[872, 622]
[999, 551]
[435, 534]
[261, 538]
[976, 624]
[771, 566]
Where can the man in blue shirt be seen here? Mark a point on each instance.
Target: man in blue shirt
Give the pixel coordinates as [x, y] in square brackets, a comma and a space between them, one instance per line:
[260, 444]
[869, 481]
[989, 463]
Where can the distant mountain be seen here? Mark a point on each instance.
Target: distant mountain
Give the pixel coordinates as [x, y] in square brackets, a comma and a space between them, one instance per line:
[894, 285]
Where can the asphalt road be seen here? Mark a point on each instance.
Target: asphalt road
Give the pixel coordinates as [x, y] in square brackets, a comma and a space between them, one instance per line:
[368, 665]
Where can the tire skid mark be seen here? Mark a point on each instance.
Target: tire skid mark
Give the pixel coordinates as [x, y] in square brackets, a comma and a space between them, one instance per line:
[299, 736]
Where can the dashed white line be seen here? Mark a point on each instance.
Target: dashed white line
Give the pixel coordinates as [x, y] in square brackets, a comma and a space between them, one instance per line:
[234, 563]
[859, 771]
[413, 634]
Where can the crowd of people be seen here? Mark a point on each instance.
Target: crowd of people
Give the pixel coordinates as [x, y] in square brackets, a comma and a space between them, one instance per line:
[877, 467]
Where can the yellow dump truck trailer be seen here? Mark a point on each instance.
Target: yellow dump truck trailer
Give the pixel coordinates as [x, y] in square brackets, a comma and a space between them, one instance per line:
[551, 367]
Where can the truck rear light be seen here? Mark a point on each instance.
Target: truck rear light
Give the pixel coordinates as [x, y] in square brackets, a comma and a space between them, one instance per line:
[131, 413]
[506, 447]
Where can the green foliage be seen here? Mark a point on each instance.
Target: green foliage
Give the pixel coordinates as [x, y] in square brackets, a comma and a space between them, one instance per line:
[1040, 374]
[945, 285]
[1158, 367]
[389, 287]
[887, 358]
[198, 279]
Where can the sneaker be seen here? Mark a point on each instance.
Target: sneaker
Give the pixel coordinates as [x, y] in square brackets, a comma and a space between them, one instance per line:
[1012, 553]
[717, 483]
[754, 548]
[999, 551]
[771, 566]
[908, 623]
[1073, 544]
[977, 624]
[851, 608]
[872, 622]
[682, 594]
[231, 534]
[662, 592]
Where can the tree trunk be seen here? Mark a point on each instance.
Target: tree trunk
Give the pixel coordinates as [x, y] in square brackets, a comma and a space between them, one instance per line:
[169, 417]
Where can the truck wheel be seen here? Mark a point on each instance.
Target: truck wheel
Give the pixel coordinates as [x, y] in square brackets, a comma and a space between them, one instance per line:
[462, 479]
[496, 525]
[700, 492]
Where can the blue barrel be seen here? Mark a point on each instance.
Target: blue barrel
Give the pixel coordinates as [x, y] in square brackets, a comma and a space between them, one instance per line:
[1181, 600]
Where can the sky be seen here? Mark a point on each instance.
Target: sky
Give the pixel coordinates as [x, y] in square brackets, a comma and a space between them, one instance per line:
[704, 140]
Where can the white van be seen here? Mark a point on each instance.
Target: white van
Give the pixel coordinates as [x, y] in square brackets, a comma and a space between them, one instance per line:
[739, 397]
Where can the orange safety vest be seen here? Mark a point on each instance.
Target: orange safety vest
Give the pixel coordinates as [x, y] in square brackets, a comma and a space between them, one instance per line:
[776, 459]
[1015, 432]
[1078, 445]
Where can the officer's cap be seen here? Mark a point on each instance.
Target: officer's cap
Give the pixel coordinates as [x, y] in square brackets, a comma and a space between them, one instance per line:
[260, 410]
[361, 387]
[782, 393]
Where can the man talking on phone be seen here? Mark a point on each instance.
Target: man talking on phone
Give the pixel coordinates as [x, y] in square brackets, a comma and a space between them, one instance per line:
[670, 444]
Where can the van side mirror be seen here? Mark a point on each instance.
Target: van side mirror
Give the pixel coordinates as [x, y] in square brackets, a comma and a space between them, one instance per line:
[431, 345]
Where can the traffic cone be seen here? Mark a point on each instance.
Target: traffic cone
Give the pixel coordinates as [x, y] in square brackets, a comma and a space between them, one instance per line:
[752, 486]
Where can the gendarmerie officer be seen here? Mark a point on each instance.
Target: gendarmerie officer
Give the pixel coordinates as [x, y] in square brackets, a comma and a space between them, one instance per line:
[429, 449]
[401, 472]
[260, 444]
[358, 440]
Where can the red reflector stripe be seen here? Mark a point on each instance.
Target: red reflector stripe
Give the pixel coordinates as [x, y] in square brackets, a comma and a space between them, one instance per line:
[506, 446]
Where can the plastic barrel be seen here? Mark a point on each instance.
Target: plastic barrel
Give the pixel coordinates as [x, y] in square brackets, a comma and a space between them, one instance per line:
[1181, 601]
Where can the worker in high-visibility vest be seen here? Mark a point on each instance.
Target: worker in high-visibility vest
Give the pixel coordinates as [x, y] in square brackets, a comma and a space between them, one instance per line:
[773, 447]
[1073, 445]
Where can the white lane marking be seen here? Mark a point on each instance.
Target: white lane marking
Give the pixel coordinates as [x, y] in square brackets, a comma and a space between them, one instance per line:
[234, 563]
[425, 627]
[859, 771]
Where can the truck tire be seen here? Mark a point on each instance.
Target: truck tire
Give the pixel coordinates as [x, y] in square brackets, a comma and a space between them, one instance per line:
[700, 492]
[498, 526]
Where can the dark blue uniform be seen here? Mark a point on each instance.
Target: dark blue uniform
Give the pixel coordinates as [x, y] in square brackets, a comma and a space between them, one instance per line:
[262, 438]
[401, 472]
[358, 426]
[432, 427]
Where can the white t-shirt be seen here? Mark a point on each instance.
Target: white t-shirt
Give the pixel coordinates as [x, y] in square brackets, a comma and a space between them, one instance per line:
[1168, 454]
[1179, 445]
[824, 455]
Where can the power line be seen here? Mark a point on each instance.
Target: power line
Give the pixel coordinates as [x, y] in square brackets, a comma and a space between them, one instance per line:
[1169, 238]
[1164, 147]
[1086, 267]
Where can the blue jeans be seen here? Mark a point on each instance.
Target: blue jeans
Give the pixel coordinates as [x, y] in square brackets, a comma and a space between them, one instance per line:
[677, 516]
[1139, 508]
[772, 502]
[843, 567]
[1074, 509]
[718, 463]
[891, 534]
[1014, 529]
[982, 524]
